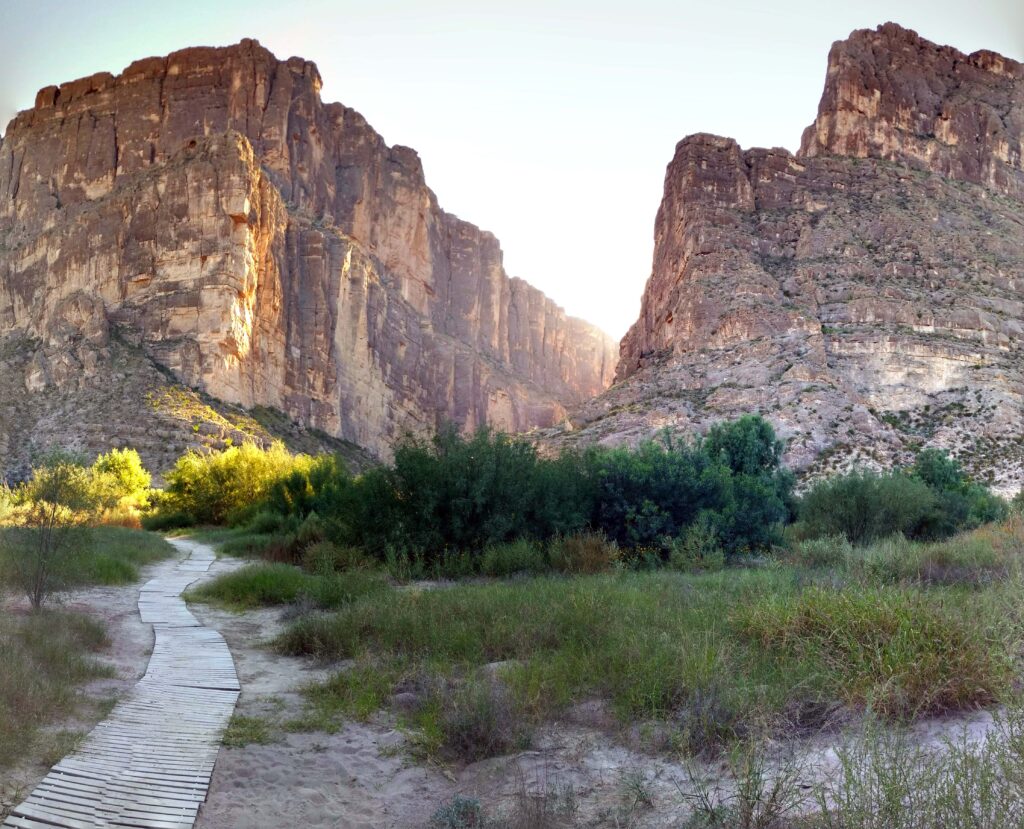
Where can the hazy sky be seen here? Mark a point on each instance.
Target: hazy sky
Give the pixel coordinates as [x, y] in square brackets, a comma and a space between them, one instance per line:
[548, 123]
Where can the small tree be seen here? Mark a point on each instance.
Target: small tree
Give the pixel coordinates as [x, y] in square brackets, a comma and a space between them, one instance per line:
[50, 519]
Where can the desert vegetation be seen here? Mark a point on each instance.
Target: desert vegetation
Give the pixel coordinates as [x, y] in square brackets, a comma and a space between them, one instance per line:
[68, 526]
[682, 584]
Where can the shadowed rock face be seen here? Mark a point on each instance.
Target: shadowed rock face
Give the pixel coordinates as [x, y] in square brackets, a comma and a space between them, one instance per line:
[867, 294]
[268, 249]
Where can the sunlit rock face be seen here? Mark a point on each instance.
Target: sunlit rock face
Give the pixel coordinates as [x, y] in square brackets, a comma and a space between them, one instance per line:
[867, 294]
[269, 249]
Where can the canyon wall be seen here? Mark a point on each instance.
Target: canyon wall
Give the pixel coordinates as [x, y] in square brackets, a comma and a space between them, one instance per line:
[267, 249]
[865, 294]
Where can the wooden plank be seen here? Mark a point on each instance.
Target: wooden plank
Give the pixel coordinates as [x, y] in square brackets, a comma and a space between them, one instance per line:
[149, 764]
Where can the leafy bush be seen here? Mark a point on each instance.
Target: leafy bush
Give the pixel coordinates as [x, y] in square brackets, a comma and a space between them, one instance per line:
[228, 486]
[520, 556]
[863, 506]
[41, 553]
[825, 551]
[931, 500]
[583, 553]
[648, 495]
[697, 548]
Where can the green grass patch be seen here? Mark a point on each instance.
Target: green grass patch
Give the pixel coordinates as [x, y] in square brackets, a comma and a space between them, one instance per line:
[115, 555]
[267, 585]
[716, 656]
[243, 731]
[45, 657]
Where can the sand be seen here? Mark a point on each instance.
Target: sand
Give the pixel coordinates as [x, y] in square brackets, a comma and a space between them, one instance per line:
[363, 778]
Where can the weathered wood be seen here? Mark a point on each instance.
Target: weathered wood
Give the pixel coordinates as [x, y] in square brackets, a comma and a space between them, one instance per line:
[148, 765]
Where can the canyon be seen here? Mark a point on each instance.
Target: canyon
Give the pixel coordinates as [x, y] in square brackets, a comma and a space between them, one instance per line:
[201, 237]
[199, 251]
[866, 293]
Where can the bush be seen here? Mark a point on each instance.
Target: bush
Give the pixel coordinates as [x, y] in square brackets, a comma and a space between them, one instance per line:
[583, 553]
[41, 554]
[698, 548]
[214, 487]
[864, 506]
[520, 556]
[162, 521]
[120, 474]
[478, 720]
[826, 551]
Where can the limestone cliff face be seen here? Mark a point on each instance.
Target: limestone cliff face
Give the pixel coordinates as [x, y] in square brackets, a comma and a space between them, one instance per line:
[268, 249]
[867, 294]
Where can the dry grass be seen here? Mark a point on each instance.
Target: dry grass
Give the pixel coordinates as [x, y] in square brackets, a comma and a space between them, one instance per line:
[45, 656]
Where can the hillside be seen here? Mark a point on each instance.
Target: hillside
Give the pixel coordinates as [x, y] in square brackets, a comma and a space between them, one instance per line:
[865, 294]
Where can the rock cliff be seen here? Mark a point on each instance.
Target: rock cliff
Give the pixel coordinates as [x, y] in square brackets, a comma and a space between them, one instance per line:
[866, 294]
[267, 249]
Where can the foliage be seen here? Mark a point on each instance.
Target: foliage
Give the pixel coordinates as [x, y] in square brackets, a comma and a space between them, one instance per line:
[731, 480]
[863, 506]
[583, 553]
[120, 474]
[227, 486]
[697, 548]
[933, 499]
[39, 554]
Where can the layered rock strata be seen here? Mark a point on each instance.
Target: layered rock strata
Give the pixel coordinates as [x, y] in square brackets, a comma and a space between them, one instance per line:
[267, 249]
[867, 293]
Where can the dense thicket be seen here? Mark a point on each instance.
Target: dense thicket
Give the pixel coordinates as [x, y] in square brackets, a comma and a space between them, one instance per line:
[930, 500]
[490, 502]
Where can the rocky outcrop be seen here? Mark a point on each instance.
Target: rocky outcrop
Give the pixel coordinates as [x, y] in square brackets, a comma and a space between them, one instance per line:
[268, 249]
[867, 294]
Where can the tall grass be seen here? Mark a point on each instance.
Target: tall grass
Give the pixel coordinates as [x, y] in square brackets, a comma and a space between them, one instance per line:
[264, 585]
[44, 657]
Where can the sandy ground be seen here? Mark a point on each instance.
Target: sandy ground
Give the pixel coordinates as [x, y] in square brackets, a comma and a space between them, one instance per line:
[131, 643]
[362, 778]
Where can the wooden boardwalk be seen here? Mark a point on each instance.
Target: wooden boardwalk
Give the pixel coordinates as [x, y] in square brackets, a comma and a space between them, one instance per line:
[148, 765]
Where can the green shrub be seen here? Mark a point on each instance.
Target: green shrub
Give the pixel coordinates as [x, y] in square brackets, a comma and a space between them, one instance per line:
[214, 487]
[583, 553]
[520, 556]
[697, 548]
[826, 551]
[864, 506]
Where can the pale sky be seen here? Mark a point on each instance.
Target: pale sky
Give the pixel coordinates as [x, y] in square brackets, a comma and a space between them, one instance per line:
[548, 123]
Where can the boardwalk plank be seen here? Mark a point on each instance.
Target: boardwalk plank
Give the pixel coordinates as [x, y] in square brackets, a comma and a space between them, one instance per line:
[149, 764]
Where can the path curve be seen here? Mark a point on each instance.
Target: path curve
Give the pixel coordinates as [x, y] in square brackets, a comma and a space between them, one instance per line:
[148, 765]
